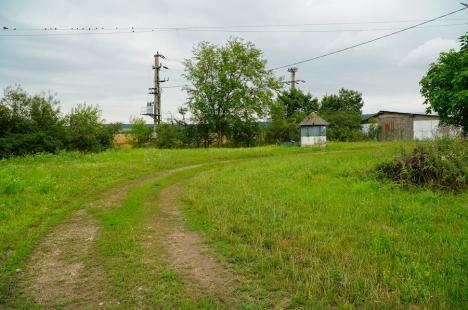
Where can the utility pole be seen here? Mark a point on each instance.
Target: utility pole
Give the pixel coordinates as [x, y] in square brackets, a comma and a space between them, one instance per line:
[293, 71]
[293, 80]
[156, 91]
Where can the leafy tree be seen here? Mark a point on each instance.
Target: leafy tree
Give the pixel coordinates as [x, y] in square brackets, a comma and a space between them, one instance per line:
[170, 135]
[344, 125]
[106, 138]
[197, 135]
[33, 124]
[15, 106]
[230, 85]
[244, 133]
[343, 112]
[283, 128]
[445, 86]
[296, 101]
[30, 124]
[141, 133]
[85, 127]
[346, 100]
[22, 113]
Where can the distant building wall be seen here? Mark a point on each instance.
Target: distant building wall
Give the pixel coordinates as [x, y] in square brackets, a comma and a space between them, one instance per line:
[313, 141]
[404, 126]
[395, 127]
[425, 129]
[365, 128]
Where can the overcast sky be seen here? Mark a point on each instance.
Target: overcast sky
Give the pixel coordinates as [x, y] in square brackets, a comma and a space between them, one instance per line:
[114, 70]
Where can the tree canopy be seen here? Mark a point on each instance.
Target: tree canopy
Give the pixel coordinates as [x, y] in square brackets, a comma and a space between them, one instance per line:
[141, 133]
[343, 111]
[230, 86]
[33, 123]
[289, 109]
[346, 101]
[296, 101]
[445, 86]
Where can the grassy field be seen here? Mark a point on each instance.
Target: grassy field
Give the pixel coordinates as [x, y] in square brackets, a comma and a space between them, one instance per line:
[324, 231]
[36, 192]
[301, 227]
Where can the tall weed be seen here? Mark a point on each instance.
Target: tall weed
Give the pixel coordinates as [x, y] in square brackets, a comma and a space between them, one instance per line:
[442, 163]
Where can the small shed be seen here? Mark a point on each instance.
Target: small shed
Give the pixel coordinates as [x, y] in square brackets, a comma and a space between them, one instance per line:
[402, 126]
[313, 131]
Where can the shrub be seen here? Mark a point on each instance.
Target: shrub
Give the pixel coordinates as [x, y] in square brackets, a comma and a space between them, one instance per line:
[85, 127]
[344, 125]
[30, 124]
[141, 133]
[29, 143]
[170, 136]
[373, 131]
[442, 164]
[33, 124]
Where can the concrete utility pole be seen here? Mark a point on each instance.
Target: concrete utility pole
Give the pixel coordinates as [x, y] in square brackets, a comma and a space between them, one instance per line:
[293, 71]
[156, 90]
[293, 80]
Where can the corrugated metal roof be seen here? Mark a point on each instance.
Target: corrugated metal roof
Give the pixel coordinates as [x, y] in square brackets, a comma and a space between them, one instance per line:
[313, 120]
[366, 117]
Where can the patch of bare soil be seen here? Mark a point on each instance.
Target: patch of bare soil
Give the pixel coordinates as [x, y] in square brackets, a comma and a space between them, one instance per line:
[186, 251]
[55, 275]
[61, 272]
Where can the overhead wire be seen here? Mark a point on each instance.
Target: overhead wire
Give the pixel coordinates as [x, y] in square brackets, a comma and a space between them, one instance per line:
[88, 28]
[365, 42]
[118, 30]
[175, 86]
[371, 40]
[229, 29]
[220, 31]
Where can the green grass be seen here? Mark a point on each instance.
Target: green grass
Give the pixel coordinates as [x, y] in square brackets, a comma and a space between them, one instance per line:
[121, 253]
[323, 231]
[37, 192]
[141, 277]
[304, 229]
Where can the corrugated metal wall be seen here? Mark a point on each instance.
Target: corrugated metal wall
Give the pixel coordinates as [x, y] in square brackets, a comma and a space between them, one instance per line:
[395, 127]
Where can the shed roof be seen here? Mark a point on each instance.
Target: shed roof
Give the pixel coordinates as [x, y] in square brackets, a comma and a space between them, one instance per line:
[365, 117]
[313, 119]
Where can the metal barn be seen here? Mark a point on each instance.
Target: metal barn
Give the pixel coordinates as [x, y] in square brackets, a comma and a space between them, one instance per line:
[402, 126]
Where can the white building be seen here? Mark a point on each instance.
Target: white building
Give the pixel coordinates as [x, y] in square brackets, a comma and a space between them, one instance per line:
[313, 131]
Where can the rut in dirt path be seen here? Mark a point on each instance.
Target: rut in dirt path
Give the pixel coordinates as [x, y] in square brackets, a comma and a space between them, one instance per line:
[61, 272]
[186, 252]
[55, 275]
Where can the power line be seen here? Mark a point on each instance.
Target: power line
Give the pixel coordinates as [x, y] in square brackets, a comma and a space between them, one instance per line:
[314, 31]
[88, 28]
[112, 31]
[219, 30]
[357, 45]
[372, 40]
[305, 24]
[175, 86]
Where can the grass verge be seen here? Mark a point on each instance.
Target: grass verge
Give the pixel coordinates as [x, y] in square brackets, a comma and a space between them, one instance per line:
[323, 231]
[38, 192]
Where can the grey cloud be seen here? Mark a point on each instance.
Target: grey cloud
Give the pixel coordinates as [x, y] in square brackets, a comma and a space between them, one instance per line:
[115, 70]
